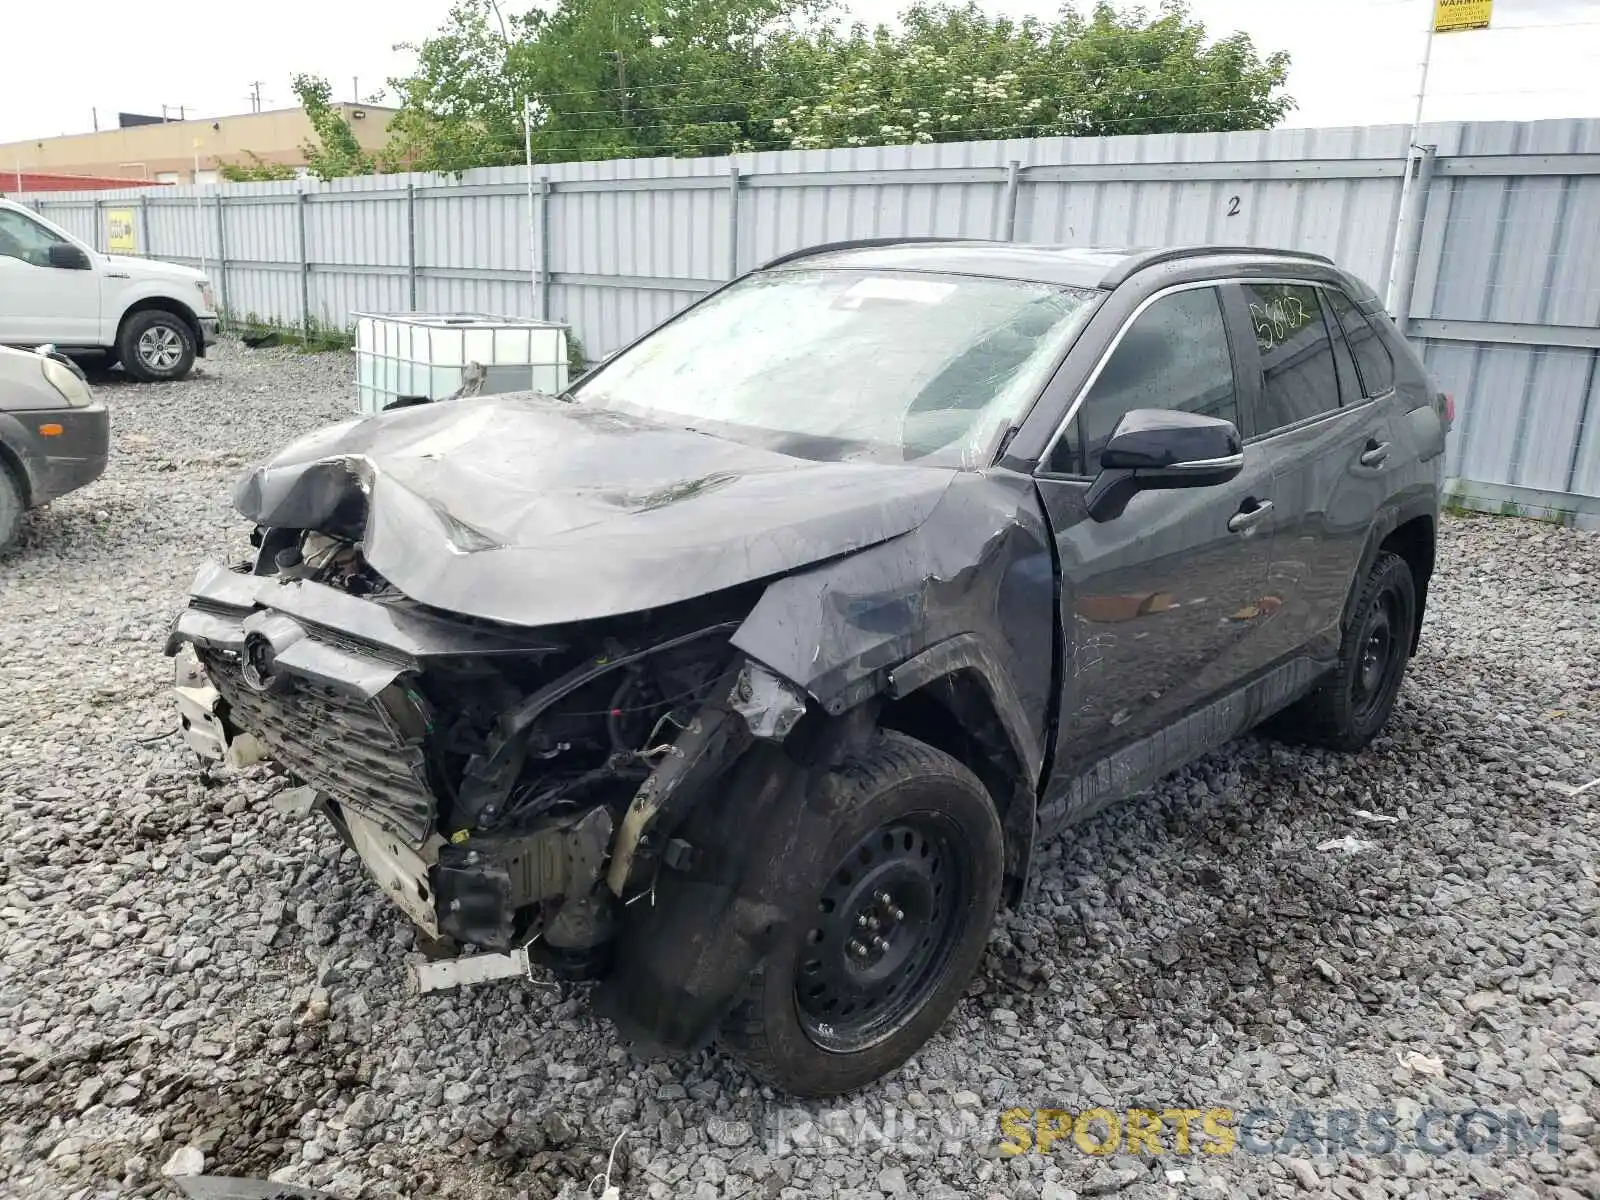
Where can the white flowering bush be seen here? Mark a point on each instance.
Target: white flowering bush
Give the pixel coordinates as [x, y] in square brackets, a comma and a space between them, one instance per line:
[957, 74]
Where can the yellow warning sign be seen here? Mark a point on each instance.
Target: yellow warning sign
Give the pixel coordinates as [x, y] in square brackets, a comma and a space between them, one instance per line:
[1453, 16]
[121, 232]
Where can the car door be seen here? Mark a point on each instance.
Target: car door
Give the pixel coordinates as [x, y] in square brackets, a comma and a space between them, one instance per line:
[1156, 605]
[1330, 449]
[40, 302]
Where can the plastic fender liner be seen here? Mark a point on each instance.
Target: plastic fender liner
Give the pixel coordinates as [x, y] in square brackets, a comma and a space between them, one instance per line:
[715, 738]
[967, 651]
[683, 960]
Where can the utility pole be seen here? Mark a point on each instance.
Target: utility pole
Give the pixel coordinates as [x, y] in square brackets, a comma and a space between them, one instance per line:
[535, 266]
[622, 74]
[199, 207]
[355, 89]
[255, 94]
[1405, 182]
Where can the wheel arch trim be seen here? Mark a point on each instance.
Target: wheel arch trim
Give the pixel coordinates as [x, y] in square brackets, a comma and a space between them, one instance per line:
[967, 665]
[161, 302]
[1382, 529]
[19, 458]
[966, 652]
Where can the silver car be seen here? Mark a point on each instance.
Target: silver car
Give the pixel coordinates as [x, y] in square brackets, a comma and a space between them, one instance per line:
[54, 435]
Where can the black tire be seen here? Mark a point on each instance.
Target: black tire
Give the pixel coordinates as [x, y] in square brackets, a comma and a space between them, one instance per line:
[156, 346]
[12, 506]
[893, 809]
[1353, 701]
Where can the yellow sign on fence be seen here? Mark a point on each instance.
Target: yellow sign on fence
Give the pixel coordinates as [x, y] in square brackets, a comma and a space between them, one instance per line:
[122, 234]
[1452, 16]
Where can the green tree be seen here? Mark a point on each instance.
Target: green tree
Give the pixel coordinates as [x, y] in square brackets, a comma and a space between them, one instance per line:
[462, 105]
[605, 78]
[619, 78]
[336, 152]
[255, 170]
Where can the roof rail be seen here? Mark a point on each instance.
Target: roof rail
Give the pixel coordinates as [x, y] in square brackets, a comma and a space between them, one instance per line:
[854, 244]
[1144, 259]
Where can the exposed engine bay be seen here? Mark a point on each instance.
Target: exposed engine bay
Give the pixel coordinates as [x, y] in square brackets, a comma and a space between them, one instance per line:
[579, 687]
[499, 784]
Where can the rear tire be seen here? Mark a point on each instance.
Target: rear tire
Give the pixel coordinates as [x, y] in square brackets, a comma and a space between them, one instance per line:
[887, 920]
[12, 506]
[1354, 700]
[156, 346]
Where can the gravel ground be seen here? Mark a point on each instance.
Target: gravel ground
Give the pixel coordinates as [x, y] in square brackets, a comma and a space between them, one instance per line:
[189, 976]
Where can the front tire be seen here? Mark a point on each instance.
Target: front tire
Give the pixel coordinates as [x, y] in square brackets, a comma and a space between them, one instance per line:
[12, 506]
[888, 918]
[1353, 702]
[156, 346]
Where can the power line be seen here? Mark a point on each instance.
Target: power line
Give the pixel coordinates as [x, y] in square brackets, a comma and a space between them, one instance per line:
[740, 114]
[998, 132]
[1077, 75]
[937, 88]
[1553, 25]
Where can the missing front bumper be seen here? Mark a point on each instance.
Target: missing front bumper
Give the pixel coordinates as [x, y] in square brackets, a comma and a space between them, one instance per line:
[488, 891]
[341, 692]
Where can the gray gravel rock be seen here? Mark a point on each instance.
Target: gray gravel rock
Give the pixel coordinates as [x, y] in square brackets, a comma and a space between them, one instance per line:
[187, 969]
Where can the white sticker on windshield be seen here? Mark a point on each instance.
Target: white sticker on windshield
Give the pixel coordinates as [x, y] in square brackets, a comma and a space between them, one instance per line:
[890, 287]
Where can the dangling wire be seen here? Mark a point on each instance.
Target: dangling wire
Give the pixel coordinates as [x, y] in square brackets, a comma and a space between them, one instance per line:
[607, 1190]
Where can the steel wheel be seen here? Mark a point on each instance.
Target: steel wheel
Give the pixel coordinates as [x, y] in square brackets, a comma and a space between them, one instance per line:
[882, 931]
[160, 348]
[1381, 659]
[1352, 702]
[887, 882]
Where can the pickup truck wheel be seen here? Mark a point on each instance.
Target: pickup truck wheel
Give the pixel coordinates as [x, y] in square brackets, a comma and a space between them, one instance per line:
[1353, 702]
[887, 919]
[11, 508]
[156, 346]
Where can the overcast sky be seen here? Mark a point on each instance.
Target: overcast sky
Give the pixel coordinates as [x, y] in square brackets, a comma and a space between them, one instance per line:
[1355, 61]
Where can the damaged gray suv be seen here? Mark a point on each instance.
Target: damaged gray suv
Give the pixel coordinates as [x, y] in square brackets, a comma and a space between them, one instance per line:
[746, 676]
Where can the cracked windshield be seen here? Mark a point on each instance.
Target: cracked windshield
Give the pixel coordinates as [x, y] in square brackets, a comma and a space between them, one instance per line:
[886, 366]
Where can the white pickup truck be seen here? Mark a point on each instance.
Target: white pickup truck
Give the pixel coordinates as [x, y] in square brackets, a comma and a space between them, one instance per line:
[153, 317]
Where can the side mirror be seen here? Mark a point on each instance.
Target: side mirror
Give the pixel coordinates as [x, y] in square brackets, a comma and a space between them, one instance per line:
[1158, 448]
[68, 257]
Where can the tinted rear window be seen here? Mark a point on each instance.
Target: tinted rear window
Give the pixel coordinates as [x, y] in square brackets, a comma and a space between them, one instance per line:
[1373, 359]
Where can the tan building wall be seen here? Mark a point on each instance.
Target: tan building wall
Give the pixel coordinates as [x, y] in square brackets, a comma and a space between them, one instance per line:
[167, 152]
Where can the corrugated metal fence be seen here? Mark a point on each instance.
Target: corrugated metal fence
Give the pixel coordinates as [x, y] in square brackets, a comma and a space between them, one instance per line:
[1499, 278]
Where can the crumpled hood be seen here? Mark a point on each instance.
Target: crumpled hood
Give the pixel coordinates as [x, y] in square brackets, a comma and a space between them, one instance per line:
[528, 510]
